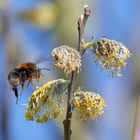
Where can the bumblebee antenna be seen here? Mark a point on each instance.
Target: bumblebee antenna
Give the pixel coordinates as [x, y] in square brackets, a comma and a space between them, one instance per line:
[44, 69]
[47, 69]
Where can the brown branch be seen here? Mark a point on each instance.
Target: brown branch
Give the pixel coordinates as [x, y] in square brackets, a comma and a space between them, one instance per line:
[136, 127]
[71, 88]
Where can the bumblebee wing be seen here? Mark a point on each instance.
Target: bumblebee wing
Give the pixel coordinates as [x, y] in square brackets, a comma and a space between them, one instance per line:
[41, 59]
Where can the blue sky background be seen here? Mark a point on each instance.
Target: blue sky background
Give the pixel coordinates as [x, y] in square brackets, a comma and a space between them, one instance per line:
[114, 19]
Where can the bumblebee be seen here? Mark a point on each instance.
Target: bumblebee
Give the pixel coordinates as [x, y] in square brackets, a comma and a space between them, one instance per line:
[22, 73]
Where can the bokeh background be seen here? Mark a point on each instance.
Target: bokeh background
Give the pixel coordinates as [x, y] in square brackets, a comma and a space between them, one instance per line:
[30, 29]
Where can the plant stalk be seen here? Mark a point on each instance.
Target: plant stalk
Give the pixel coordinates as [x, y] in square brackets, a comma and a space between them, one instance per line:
[71, 87]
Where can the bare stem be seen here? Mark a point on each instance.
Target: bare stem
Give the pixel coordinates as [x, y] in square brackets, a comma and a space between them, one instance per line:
[81, 26]
[136, 127]
[71, 88]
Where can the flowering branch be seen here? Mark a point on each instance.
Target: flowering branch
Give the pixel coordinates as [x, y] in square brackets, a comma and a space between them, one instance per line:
[81, 26]
[46, 101]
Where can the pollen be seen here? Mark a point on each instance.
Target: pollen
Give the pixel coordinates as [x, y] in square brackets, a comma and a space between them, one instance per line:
[46, 102]
[66, 59]
[88, 105]
[111, 55]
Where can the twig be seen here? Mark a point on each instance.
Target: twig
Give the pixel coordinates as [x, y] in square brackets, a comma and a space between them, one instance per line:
[81, 26]
[136, 127]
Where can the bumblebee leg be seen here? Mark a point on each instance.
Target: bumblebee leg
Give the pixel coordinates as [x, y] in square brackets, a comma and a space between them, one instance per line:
[17, 100]
[37, 76]
[16, 94]
[22, 86]
[31, 81]
[37, 79]
[28, 83]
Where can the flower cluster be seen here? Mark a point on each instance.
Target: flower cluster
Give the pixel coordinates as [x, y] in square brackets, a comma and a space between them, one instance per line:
[111, 54]
[66, 59]
[45, 103]
[88, 105]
